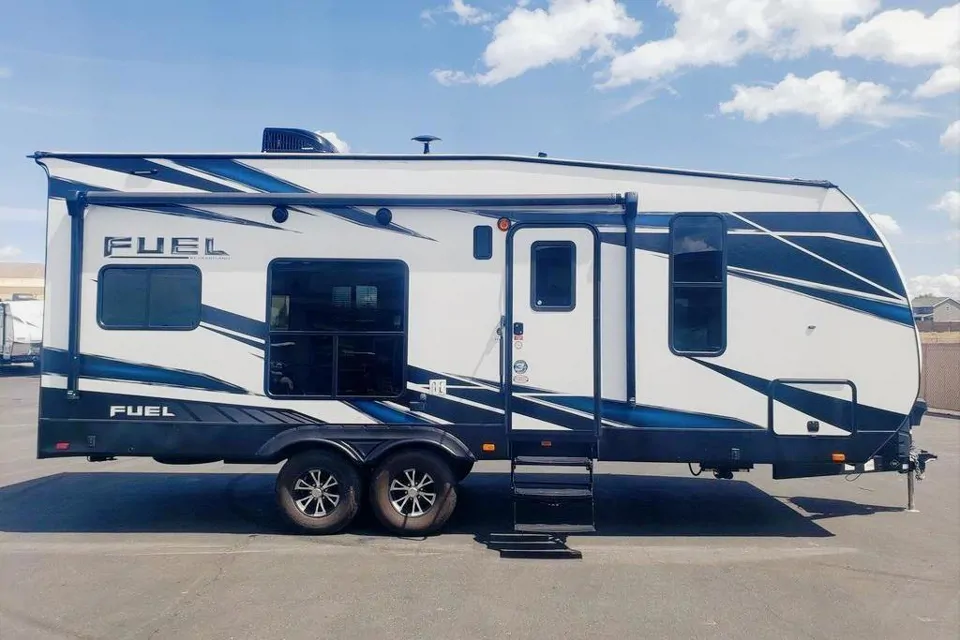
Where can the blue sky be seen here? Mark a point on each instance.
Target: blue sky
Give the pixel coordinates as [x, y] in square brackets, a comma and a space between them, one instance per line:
[865, 93]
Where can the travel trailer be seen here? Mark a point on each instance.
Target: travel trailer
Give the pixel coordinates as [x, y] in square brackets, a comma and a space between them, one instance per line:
[379, 323]
[21, 325]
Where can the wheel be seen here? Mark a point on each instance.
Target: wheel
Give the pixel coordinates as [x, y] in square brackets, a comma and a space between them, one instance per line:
[413, 492]
[319, 491]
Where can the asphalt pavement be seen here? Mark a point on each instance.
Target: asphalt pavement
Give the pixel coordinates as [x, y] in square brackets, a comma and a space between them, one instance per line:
[135, 549]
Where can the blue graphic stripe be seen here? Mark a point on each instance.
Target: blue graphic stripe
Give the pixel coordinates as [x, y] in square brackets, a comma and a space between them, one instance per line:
[825, 408]
[892, 311]
[448, 409]
[182, 211]
[769, 255]
[153, 171]
[61, 187]
[233, 322]
[246, 341]
[652, 417]
[846, 223]
[870, 261]
[360, 217]
[384, 414]
[242, 173]
[642, 416]
[104, 368]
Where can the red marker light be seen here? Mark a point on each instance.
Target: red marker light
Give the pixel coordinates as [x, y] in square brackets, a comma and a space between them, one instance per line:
[503, 224]
[63, 446]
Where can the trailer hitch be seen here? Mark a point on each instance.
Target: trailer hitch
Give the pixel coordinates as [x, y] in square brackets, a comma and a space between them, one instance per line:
[918, 461]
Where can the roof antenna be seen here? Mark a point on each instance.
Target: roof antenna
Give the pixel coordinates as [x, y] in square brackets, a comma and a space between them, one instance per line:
[426, 140]
[541, 154]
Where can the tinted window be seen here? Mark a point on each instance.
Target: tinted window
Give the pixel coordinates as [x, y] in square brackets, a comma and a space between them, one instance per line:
[697, 243]
[554, 276]
[369, 366]
[697, 296]
[337, 328]
[697, 319]
[301, 365]
[483, 242]
[338, 296]
[149, 298]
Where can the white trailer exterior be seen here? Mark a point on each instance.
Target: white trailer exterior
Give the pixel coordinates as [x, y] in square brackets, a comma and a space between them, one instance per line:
[21, 331]
[260, 307]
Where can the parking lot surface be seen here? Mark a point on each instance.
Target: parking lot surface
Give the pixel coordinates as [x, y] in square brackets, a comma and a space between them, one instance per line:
[135, 549]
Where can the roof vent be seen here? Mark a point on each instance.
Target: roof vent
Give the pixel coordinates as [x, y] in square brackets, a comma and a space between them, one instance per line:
[425, 140]
[284, 140]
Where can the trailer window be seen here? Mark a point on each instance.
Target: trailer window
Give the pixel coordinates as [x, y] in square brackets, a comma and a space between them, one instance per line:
[697, 285]
[337, 328]
[554, 271]
[483, 242]
[149, 298]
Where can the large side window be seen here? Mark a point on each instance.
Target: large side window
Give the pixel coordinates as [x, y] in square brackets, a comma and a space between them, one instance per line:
[697, 285]
[149, 298]
[554, 276]
[337, 328]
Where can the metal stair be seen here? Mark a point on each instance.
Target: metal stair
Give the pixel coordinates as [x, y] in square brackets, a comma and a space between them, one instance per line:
[559, 506]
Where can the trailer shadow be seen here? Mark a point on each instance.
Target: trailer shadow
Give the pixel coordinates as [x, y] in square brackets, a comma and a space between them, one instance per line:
[823, 508]
[627, 505]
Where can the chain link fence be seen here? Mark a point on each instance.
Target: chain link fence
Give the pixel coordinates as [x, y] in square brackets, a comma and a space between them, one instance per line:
[940, 379]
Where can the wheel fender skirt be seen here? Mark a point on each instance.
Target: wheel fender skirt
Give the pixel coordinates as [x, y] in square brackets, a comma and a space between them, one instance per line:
[364, 444]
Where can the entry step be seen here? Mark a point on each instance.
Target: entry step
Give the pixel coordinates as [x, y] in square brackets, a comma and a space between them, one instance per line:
[554, 528]
[553, 461]
[552, 492]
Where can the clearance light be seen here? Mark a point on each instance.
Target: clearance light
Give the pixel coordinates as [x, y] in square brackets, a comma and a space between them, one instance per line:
[838, 457]
[489, 447]
[503, 224]
[546, 443]
[63, 446]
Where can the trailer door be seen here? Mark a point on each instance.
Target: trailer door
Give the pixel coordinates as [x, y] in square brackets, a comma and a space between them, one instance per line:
[552, 325]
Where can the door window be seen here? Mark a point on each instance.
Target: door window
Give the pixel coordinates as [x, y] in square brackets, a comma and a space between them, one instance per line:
[554, 275]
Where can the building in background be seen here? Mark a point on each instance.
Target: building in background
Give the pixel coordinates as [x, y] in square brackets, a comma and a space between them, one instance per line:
[20, 280]
[935, 309]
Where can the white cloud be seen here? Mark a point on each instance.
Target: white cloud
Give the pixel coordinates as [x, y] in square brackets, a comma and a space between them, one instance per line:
[465, 13]
[826, 95]
[907, 38]
[945, 284]
[949, 203]
[909, 145]
[721, 32]
[9, 252]
[335, 140]
[950, 140]
[944, 80]
[449, 78]
[887, 225]
[5, 72]
[533, 38]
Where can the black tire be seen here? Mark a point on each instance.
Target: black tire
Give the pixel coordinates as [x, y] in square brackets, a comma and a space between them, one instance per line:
[417, 516]
[315, 468]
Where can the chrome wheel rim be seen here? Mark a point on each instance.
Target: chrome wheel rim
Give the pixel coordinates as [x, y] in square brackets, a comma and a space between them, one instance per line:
[316, 493]
[412, 493]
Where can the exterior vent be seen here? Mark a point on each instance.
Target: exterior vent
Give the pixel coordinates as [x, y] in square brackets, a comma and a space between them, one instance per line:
[281, 140]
